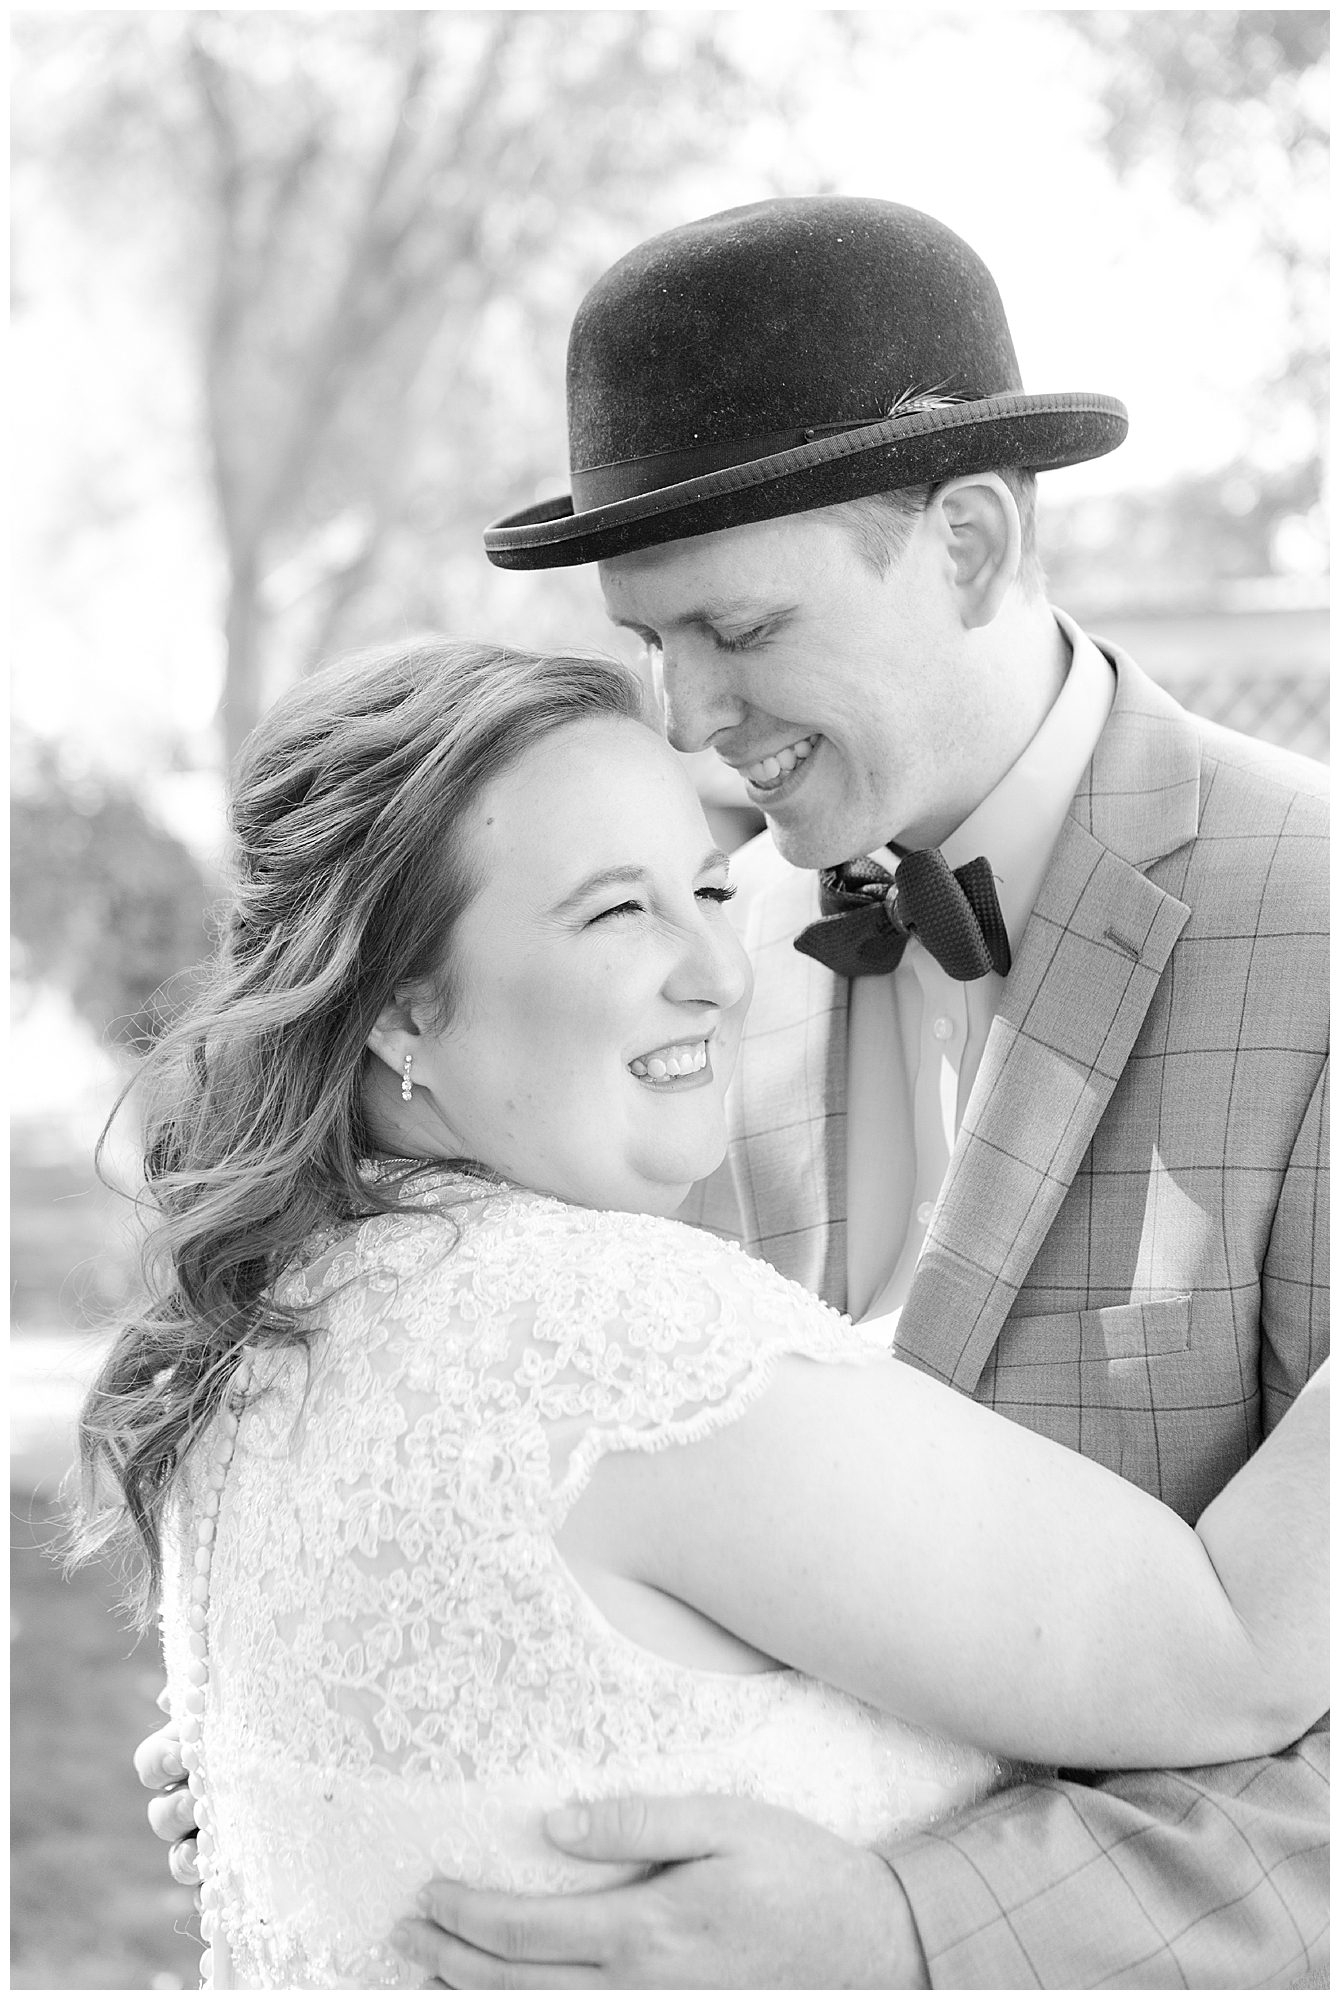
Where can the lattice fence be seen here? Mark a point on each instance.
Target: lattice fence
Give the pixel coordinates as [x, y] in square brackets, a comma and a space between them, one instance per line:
[1293, 710]
[1263, 667]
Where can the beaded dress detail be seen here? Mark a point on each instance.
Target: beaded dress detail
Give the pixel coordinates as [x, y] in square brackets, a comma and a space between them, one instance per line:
[401, 1674]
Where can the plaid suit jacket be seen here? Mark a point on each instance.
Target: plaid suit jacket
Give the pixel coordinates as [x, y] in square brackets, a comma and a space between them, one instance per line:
[1128, 1254]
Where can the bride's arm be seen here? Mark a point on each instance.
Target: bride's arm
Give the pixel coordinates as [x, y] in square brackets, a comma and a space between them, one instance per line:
[891, 1537]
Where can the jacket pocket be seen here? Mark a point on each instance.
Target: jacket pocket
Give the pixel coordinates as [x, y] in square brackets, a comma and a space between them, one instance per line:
[1104, 1333]
[1116, 1383]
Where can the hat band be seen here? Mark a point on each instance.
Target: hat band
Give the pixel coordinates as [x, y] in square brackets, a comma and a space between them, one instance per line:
[626, 478]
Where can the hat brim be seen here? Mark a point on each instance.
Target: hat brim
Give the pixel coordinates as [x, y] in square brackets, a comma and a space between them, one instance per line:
[1035, 433]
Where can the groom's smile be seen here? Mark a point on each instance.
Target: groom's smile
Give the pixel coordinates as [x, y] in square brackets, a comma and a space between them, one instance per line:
[842, 696]
[767, 777]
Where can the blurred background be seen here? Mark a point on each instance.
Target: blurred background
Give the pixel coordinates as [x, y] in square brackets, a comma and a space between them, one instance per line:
[292, 292]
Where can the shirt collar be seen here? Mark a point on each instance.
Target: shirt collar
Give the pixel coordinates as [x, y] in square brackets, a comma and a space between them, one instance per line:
[1017, 824]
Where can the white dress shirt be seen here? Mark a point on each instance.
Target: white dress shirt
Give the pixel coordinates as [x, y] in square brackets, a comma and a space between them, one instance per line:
[915, 1036]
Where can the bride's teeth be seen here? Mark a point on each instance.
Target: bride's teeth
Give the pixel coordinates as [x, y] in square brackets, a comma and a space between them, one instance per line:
[787, 759]
[803, 748]
[684, 1059]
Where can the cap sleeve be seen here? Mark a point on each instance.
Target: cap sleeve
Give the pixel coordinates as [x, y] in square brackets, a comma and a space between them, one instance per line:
[648, 1333]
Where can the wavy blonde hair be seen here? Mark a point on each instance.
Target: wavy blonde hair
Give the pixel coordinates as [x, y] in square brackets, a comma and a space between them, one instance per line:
[350, 817]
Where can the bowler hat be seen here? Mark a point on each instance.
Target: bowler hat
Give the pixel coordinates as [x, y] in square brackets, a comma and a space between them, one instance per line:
[785, 356]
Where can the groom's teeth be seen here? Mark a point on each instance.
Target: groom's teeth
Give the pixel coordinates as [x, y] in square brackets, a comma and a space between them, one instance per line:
[677, 1059]
[770, 769]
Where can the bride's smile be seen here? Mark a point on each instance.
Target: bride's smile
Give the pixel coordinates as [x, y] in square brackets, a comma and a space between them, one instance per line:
[667, 1067]
[597, 987]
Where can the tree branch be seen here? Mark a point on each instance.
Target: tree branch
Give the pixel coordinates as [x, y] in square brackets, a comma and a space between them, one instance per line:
[348, 327]
[223, 310]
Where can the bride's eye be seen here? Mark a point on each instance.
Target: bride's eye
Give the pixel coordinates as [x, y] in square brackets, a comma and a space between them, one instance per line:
[617, 910]
[720, 892]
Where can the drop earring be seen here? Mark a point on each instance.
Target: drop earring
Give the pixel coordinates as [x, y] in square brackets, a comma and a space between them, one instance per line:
[406, 1087]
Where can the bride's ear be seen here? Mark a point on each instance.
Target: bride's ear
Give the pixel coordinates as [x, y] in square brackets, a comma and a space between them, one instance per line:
[396, 1032]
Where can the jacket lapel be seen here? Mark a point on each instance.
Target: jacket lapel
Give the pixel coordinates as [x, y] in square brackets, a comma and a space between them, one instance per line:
[1091, 959]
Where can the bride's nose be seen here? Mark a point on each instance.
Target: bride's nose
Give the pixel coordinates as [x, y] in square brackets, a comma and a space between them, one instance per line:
[712, 965]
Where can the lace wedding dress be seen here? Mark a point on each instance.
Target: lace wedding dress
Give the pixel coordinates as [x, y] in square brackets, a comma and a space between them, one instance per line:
[404, 1674]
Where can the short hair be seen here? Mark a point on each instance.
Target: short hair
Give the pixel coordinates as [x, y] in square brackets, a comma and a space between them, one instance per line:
[880, 525]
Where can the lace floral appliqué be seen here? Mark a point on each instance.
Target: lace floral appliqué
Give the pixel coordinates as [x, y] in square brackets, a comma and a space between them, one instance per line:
[405, 1675]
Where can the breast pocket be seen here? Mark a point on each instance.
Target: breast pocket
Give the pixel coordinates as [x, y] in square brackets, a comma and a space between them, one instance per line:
[1092, 1380]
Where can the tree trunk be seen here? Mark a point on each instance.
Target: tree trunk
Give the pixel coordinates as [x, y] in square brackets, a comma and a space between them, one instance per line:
[240, 705]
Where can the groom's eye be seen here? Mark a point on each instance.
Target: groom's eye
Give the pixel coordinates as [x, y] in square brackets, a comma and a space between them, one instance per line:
[740, 642]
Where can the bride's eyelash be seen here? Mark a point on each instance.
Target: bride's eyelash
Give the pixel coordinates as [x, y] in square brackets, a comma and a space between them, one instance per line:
[715, 892]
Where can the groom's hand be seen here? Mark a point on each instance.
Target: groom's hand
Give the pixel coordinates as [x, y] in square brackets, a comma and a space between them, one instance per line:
[747, 1895]
[159, 1767]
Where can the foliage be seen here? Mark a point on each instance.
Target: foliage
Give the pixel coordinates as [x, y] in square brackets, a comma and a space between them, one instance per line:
[1174, 547]
[371, 230]
[1201, 86]
[104, 903]
[1232, 105]
[380, 224]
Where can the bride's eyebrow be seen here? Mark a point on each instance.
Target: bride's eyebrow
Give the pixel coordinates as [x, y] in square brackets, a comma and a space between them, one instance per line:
[622, 877]
[604, 878]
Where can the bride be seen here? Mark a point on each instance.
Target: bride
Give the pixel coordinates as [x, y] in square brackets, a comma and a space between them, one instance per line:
[469, 1481]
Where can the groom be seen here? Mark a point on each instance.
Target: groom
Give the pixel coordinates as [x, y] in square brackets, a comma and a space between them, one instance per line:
[1062, 1111]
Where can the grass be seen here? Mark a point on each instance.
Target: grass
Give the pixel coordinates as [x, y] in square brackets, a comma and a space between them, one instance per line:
[92, 1904]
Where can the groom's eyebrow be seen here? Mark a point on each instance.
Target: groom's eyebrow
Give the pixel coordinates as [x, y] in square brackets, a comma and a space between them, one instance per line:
[723, 611]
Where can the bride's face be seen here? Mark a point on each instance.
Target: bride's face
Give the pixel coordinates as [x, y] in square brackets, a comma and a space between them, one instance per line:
[595, 962]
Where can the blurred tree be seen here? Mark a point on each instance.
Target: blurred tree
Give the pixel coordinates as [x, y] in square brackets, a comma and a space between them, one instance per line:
[1232, 106]
[104, 904]
[1178, 545]
[380, 223]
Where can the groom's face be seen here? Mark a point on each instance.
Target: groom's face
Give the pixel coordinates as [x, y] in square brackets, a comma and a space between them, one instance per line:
[842, 696]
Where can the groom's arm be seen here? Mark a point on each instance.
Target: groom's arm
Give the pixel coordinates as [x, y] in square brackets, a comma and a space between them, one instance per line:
[1194, 1878]
[1212, 1878]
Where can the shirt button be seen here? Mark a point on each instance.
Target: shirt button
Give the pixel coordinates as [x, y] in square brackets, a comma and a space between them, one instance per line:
[925, 1212]
[943, 1029]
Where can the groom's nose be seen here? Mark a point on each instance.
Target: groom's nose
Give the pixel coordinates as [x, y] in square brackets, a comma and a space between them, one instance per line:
[700, 700]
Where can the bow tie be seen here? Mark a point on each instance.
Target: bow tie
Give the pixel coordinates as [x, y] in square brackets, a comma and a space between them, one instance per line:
[869, 916]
